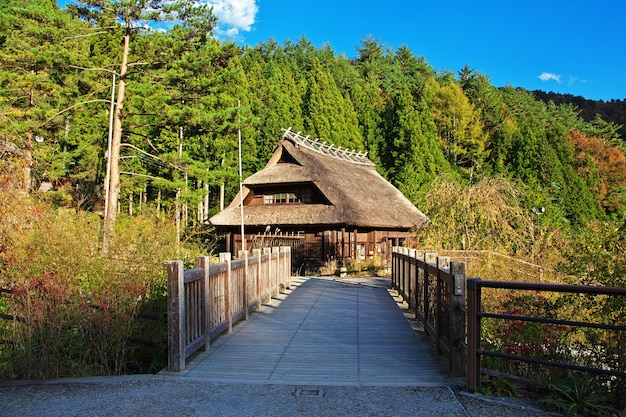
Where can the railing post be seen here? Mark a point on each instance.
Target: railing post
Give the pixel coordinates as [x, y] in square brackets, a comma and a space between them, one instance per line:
[473, 334]
[402, 276]
[456, 319]
[175, 316]
[410, 285]
[225, 258]
[257, 289]
[268, 273]
[419, 256]
[275, 270]
[287, 266]
[203, 262]
[399, 267]
[442, 263]
[393, 266]
[244, 254]
[429, 259]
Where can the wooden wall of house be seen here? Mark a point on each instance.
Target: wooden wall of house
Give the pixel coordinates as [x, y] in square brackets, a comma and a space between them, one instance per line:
[311, 250]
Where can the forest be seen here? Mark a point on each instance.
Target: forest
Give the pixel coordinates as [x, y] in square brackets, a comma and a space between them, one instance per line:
[186, 95]
[612, 110]
[133, 132]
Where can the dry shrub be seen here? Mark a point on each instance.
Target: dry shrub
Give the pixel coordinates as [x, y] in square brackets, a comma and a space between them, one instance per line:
[77, 311]
[329, 268]
[485, 215]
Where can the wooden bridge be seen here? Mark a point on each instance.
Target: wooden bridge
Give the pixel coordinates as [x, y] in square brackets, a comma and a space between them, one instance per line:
[334, 331]
[324, 331]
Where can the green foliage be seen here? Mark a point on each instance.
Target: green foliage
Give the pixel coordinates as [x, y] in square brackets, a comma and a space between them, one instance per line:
[498, 386]
[577, 396]
[188, 91]
[328, 115]
[459, 125]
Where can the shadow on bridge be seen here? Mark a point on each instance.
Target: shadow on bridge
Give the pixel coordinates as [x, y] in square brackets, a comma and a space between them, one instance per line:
[324, 331]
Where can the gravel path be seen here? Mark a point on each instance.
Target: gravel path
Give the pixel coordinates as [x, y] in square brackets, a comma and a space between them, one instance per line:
[195, 394]
[148, 395]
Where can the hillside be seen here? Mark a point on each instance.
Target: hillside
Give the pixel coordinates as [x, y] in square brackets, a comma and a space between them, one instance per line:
[613, 111]
[182, 98]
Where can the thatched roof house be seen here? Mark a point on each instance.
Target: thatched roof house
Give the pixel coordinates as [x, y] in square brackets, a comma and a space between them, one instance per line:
[313, 192]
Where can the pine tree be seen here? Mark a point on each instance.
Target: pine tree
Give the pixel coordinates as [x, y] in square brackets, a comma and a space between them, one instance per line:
[133, 14]
[36, 47]
[328, 115]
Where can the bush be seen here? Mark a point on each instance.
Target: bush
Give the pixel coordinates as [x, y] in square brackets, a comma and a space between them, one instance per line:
[577, 396]
[78, 312]
[516, 337]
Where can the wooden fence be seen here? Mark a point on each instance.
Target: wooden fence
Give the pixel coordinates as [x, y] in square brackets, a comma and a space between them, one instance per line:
[476, 314]
[206, 301]
[434, 287]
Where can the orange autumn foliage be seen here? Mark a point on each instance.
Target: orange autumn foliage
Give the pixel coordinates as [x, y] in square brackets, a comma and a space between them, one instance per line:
[604, 167]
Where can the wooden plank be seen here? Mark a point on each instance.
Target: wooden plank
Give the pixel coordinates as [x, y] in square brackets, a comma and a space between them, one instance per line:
[202, 262]
[325, 331]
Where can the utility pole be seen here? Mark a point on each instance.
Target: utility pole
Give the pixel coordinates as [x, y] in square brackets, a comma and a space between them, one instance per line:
[243, 236]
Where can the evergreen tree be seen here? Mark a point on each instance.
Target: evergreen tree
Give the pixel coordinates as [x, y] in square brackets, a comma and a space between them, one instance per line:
[328, 115]
[459, 124]
[497, 125]
[36, 85]
[134, 14]
[276, 102]
[409, 159]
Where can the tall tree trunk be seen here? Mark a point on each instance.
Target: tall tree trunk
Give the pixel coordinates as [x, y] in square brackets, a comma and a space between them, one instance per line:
[114, 181]
[206, 202]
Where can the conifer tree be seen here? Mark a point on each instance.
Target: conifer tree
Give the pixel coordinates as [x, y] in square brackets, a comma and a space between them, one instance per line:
[409, 159]
[36, 47]
[459, 124]
[328, 115]
[133, 14]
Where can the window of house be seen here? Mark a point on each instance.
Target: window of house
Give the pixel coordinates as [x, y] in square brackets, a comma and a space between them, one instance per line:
[302, 196]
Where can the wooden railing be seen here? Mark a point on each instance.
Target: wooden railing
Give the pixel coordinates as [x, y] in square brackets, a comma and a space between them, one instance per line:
[206, 301]
[475, 315]
[434, 287]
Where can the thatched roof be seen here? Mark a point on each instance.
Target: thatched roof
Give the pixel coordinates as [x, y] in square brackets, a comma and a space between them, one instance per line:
[357, 196]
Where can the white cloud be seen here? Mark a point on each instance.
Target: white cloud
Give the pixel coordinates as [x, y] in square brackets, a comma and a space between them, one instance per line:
[234, 16]
[547, 76]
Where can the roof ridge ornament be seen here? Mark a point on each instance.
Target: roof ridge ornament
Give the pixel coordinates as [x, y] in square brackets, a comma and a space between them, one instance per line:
[324, 148]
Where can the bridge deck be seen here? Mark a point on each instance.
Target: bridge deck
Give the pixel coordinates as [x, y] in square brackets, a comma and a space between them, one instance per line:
[324, 332]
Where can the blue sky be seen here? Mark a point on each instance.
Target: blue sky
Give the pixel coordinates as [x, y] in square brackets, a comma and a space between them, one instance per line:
[574, 47]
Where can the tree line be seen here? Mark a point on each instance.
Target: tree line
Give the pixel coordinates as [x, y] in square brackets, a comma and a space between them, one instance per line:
[613, 110]
[171, 102]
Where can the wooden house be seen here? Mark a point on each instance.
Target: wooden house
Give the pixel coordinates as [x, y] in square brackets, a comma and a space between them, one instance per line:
[326, 202]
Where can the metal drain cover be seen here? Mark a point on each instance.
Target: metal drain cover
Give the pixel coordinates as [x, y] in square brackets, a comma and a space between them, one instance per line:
[309, 392]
